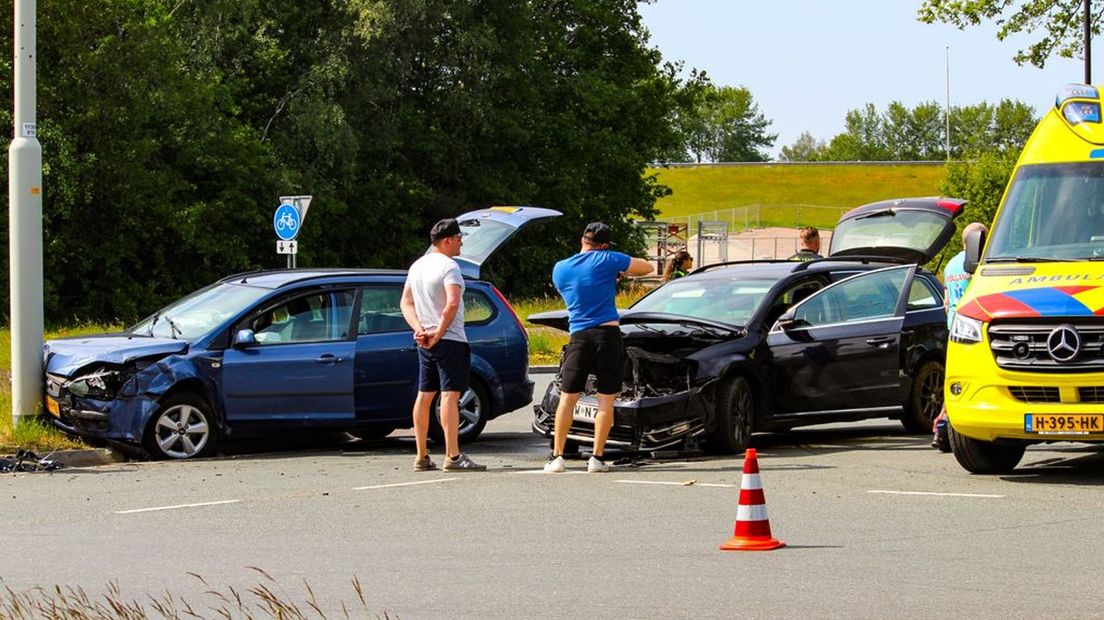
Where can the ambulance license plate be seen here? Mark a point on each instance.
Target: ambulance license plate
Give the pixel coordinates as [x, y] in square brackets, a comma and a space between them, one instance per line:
[1064, 424]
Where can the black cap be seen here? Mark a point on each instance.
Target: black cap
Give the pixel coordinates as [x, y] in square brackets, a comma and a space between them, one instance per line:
[444, 229]
[597, 232]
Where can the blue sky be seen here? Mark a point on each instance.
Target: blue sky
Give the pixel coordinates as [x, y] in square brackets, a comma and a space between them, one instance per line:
[807, 62]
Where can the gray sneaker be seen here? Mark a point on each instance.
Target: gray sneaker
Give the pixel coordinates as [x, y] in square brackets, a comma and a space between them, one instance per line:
[424, 464]
[463, 463]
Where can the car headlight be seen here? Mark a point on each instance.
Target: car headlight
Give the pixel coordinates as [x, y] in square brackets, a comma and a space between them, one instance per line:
[101, 385]
[965, 330]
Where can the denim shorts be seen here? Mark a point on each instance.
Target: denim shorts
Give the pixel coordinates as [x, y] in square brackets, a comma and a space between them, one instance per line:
[445, 367]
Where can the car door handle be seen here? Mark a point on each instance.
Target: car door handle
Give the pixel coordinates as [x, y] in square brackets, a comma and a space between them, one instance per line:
[880, 341]
[328, 359]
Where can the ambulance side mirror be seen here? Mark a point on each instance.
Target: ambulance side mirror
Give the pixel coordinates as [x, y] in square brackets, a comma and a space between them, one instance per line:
[975, 241]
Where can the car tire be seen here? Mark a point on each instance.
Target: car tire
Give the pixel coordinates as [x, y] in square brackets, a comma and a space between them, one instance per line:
[985, 457]
[475, 409]
[183, 427]
[926, 398]
[735, 419]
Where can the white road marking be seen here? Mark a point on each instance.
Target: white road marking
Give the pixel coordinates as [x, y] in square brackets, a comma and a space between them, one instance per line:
[679, 484]
[936, 494]
[225, 501]
[543, 473]
[403, 484]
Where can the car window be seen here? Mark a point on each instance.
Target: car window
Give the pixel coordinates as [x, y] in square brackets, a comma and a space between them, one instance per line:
[199, 313]
[477, 307]
[318, 317]
[791, 296]
[380, 312]
[868, 296]
[923, 296]
[731, 300]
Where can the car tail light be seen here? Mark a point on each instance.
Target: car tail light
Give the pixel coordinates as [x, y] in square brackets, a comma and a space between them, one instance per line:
[502, 298]
[954, 205]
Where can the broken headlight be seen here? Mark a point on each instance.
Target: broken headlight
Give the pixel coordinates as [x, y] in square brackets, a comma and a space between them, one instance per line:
[102, 384]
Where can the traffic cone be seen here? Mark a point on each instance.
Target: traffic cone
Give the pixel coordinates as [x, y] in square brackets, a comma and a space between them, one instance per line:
[753, 531]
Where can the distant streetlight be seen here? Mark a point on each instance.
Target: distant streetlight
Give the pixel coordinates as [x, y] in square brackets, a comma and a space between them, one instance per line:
[947, 107]
[1088, 43]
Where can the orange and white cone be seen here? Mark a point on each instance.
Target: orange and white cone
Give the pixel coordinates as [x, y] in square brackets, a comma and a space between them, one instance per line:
[753, 532]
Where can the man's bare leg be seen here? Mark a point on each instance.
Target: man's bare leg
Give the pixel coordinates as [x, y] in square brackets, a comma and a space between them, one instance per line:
[421, 421]
[603, 422]
[450, 422]
[564, 412]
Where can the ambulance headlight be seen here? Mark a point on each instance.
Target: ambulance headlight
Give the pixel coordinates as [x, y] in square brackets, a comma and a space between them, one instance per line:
[965, 330]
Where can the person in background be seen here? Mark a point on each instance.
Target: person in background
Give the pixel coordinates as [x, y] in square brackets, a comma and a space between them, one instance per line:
[678, 265]
[809, 238]
[587, 282]
[955, 279]
[433, 305]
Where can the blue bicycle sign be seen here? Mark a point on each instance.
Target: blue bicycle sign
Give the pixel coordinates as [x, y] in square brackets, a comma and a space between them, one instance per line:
[286, 222]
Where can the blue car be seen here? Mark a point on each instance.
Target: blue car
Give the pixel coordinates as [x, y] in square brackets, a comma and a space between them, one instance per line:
[285, 351]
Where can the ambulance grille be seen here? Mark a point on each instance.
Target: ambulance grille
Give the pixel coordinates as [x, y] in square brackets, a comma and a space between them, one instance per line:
[1035, 394]
[1091, 394]
[1023, 346]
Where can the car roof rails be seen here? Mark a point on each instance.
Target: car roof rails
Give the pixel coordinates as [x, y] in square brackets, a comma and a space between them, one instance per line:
[865, 259]
[729, 263]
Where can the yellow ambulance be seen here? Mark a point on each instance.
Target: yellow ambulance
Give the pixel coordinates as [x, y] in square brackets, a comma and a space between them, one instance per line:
[1025, 362]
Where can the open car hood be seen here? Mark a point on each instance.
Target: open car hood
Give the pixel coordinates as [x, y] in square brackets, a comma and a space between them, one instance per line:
[68, 355]
[909, 229]
[558, 320]
[486, 230]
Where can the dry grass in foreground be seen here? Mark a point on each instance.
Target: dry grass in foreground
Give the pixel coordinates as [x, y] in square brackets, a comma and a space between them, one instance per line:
[264, 600]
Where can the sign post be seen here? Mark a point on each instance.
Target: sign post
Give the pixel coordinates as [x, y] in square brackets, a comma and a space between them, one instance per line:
[287, 222]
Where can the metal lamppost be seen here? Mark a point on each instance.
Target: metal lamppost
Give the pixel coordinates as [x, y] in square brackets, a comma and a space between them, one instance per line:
[25, 225]
[1088, 43]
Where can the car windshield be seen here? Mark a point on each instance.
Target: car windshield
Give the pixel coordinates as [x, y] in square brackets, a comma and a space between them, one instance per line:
[730, 301]
[901, 228]
[482, 237]
[197, 314]
[1053, 211]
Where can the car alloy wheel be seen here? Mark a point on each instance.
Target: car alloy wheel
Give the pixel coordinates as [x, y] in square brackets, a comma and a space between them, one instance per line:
[182, 428]
[926, 399]
[474, 408]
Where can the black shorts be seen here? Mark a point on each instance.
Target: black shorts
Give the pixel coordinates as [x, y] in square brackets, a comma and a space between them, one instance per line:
[445, 367]
[596, 351]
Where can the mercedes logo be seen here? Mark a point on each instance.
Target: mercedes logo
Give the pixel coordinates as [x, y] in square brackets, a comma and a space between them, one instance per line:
[1064, 343]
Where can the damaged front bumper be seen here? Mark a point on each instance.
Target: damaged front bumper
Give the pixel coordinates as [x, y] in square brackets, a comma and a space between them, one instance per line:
[118, 418]
[645, 424]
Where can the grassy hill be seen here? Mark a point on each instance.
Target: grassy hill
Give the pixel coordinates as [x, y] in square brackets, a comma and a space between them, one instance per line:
[789, 194]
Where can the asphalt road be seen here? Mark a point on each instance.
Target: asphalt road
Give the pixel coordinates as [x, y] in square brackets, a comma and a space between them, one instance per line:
[876, 523]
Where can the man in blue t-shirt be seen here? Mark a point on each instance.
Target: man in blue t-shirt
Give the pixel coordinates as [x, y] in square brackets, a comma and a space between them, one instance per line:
[956, 279]
[587, 282]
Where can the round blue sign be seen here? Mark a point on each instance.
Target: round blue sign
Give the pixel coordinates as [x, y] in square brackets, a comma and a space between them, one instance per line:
[286, 222]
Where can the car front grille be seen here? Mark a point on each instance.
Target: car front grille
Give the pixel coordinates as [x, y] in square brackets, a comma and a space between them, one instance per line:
[1023, 346]
[1091, 394]
[1035, 394]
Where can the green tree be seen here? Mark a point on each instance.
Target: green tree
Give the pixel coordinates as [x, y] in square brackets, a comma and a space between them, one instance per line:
[723, 123]
[1059, 20]
[805, 148]
[981, 182]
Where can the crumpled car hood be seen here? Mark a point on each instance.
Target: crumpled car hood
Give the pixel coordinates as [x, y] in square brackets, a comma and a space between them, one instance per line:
[68, 355]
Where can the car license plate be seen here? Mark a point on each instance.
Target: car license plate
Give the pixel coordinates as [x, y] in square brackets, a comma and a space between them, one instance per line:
[586, 413]
[52, 407]
[1058, 424]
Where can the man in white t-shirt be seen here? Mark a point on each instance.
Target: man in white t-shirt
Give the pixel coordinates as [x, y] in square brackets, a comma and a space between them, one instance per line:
[433, 305]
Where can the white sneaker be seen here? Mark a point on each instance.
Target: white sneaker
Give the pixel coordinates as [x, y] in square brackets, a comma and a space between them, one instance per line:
[555, 465]
[596, 466]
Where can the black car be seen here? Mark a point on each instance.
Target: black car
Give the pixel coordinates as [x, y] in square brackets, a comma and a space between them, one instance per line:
[736, 348]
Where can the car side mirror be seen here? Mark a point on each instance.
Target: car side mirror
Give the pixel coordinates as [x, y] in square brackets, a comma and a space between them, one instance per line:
[786, 322]
[975, 241]
[244, 338]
